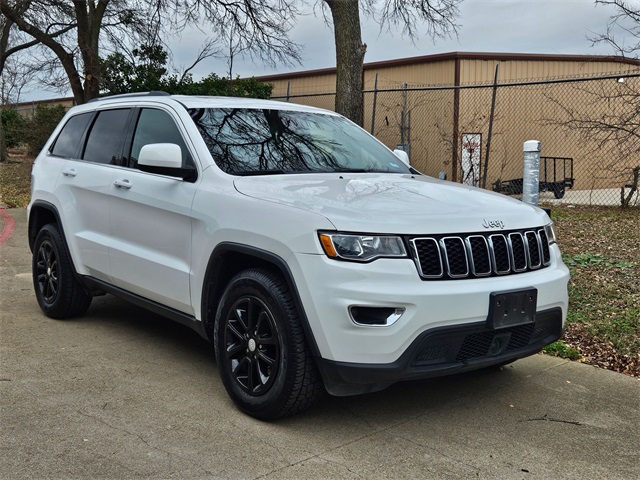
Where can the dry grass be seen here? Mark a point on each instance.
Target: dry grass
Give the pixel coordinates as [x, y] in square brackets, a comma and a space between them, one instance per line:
[601, 246]
[15, 180]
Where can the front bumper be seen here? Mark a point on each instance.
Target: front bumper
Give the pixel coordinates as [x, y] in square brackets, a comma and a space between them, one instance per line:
[446, 350]
[328, 288]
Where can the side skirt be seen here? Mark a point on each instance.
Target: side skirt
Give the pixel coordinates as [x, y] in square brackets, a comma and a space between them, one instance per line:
[155, 307]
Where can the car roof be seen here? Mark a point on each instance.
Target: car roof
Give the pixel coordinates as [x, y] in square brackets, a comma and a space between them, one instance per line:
[242, 102]
[202, 101]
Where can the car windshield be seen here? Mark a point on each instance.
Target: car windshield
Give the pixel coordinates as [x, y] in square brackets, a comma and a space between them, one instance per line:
[262, 142]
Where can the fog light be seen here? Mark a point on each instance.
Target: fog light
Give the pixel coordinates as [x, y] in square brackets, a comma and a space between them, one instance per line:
[375, 316]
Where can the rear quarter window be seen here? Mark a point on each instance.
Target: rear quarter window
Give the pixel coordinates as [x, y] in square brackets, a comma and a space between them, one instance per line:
[68, 142]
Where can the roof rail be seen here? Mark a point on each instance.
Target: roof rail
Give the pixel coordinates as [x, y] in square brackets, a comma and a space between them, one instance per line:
[154, 93]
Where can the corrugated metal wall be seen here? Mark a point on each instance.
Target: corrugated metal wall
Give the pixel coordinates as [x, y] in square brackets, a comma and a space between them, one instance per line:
[441, 72]
[475, 71]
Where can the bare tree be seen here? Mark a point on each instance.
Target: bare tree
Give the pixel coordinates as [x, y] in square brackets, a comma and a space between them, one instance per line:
[626, 23]
[18, 67]
[208, 49]
[617, 124]
[14, 78]
[71, 31]
[258, 28]
[437, 16]
[76, 32]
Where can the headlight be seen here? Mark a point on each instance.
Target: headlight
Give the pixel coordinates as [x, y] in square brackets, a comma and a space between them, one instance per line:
[551, 233]
[361, 248]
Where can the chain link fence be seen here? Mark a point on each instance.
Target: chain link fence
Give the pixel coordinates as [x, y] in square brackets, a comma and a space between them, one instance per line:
[589, 129]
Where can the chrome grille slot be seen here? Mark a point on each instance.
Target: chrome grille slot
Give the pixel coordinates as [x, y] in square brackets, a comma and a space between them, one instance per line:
[533, 248]
[480, 259]
[544, 243]
[518, 252]
[500, 254]
[427, 253]
[455, 257]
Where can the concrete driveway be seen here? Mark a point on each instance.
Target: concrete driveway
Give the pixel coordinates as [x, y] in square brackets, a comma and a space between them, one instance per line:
[122, 393]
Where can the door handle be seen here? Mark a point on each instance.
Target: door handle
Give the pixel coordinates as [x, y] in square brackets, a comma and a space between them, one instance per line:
[69, 172]
[122, 184]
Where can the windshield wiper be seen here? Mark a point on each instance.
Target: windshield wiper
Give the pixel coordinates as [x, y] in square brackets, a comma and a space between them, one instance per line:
[262, 172]
[348, 170]
[277, 171]
[359, 170]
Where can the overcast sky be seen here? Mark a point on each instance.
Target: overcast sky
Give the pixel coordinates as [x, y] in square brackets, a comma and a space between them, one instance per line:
[504, 26]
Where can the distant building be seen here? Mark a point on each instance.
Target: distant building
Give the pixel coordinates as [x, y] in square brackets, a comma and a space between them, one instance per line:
[27, 109]
[454, 69]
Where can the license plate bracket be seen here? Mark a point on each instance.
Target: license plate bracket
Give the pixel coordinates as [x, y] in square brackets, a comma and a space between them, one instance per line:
[511, 308]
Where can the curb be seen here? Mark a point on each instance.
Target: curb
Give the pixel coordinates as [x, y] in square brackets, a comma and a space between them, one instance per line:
[9, 226]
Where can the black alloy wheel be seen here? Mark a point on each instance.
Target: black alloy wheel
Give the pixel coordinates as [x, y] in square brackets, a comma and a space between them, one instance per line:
[47, 272]
[252, 347]
[263, 358]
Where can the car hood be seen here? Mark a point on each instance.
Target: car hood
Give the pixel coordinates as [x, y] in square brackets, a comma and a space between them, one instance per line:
[391, 203]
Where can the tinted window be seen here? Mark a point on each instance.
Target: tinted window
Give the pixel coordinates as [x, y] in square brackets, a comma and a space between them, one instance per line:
[68, 141]
[250, 142]
[156, 126]
[106, 138]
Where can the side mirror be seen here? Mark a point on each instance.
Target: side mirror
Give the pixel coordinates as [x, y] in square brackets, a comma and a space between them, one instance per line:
[402, 155]
[166, 155]
[165, 159]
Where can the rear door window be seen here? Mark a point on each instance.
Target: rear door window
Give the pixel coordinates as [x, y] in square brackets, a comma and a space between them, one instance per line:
[68, 142]
[106, 137]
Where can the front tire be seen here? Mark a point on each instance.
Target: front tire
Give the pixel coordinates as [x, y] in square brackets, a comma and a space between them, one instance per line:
[58, 292]
[262, 355]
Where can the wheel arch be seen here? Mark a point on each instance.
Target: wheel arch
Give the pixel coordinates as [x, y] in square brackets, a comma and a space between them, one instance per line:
[40, 214]
[227, 260]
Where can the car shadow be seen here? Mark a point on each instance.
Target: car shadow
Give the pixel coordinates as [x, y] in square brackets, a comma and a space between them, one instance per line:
[394, 404]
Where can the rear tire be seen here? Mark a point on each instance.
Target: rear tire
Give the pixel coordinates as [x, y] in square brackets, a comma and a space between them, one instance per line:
[262, 355]
[58, 292]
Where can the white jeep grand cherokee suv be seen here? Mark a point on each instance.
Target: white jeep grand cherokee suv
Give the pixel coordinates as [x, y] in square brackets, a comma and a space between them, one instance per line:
[307, 252]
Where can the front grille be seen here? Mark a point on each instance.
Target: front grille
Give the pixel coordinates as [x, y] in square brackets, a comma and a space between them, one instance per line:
[480, 255]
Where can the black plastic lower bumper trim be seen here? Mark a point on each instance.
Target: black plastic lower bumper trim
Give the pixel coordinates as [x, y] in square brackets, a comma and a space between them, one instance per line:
[443, 351]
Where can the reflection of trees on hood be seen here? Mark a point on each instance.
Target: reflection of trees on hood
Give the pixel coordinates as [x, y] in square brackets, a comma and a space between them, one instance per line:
[243, 140]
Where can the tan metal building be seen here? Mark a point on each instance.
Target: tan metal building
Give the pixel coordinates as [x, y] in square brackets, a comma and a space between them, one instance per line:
[455, 68]
[439, 106]
[27, 109]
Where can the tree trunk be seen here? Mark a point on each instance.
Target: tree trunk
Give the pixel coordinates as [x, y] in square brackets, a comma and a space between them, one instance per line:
[349, 58]
[89, 17]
